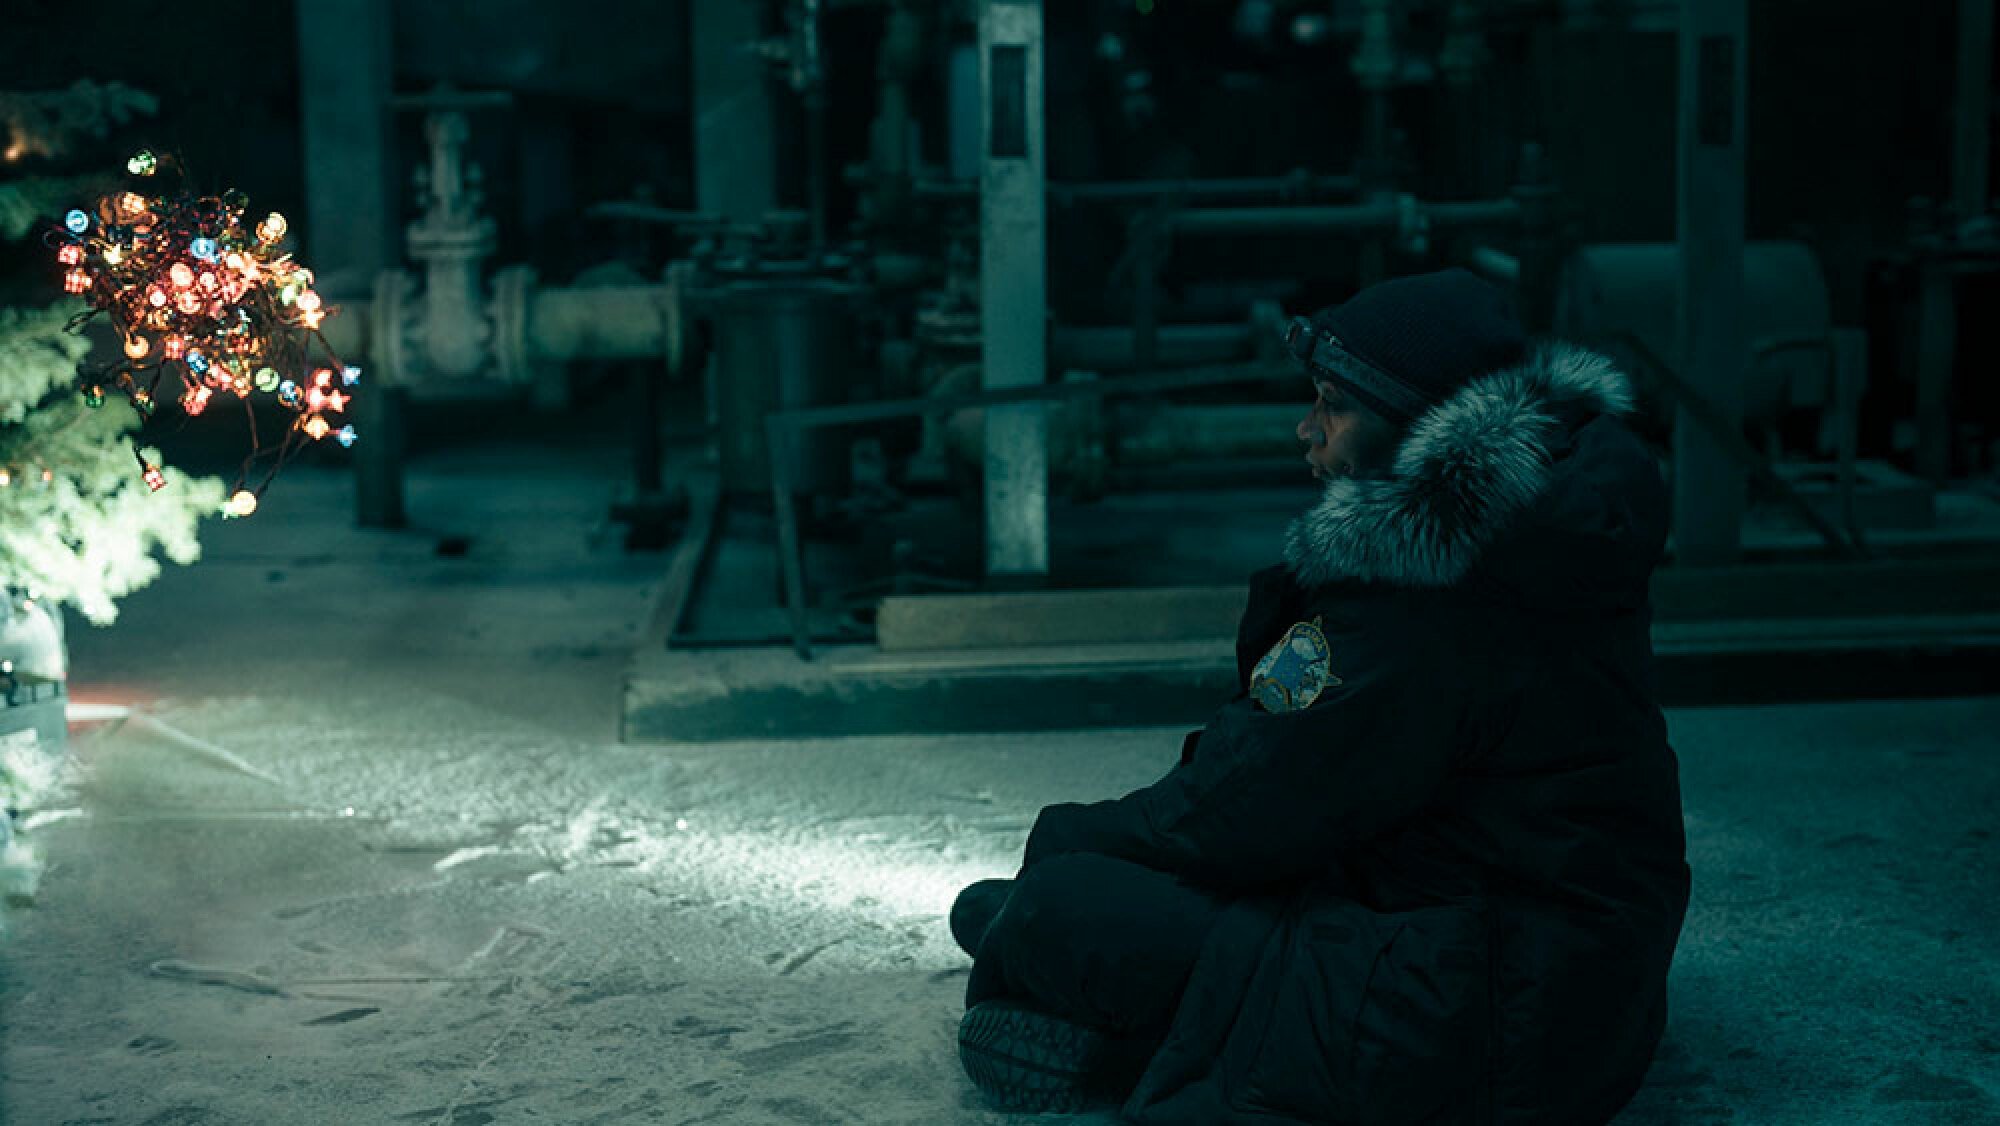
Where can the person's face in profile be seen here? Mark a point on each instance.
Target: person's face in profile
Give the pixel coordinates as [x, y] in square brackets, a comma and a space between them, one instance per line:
[1342, 437]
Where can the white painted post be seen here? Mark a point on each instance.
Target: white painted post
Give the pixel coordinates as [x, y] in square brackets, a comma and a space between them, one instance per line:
[1013, 286]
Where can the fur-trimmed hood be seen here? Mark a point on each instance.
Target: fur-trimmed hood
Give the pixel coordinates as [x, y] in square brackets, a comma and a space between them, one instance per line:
[1465, 473]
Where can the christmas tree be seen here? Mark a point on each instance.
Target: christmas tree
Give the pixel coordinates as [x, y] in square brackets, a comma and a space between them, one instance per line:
[78, 524]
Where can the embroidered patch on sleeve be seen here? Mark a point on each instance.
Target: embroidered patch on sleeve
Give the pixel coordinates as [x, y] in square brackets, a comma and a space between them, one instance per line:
[1296, 670]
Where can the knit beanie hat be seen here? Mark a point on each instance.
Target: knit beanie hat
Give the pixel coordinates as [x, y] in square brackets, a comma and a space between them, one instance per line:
[1404, 346]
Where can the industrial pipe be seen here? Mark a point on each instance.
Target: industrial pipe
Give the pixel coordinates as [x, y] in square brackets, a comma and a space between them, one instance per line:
[1169, 434]
[1355, 218]
[1133, 435]
[1148, 191]
[1115, 347]
[613, 322]
[1496, 265]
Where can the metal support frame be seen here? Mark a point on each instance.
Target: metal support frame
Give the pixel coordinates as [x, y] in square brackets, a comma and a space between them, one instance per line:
[1973, 120]
[1716, 425]
[782, 427]
[1148, 234]
[1850, 375]
[1937, 356]
[1710, 489]
[689, 568]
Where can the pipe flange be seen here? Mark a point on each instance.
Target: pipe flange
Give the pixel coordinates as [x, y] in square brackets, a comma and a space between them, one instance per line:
[512, 286]
[392, 324]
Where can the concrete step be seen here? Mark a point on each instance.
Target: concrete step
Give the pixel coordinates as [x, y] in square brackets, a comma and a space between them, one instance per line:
[763, 693]
[1680, 594]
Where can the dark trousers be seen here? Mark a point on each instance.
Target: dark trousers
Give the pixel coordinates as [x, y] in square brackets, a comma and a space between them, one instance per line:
[1097, 941]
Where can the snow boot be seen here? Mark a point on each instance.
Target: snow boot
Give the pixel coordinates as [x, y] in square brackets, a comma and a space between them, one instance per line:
[1027, 1060]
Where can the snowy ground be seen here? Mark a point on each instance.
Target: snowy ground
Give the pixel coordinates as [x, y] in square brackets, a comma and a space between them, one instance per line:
[366, 851]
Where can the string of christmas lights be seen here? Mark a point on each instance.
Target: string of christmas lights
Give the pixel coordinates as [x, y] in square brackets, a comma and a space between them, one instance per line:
[196, 293]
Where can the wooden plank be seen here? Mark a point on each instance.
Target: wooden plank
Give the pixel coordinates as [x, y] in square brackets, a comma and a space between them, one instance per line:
[1058, 617]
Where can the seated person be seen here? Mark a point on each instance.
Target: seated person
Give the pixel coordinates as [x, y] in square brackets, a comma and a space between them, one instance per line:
[1429, 864]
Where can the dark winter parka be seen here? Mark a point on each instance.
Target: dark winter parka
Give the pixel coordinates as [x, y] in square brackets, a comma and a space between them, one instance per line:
[1444, 796]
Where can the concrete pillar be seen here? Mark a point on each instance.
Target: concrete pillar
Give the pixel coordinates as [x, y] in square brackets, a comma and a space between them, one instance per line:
[1709, 488]
[735, 159]
[346, 61]
[1013, 287]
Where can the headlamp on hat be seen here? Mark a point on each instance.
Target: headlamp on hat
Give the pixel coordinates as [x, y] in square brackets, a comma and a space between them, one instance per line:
[1326, 358]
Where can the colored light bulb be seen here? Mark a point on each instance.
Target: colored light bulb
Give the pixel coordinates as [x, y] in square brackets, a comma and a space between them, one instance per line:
[203, 248]
[155, 479]
[136, 347]
[69, 254]
[242, 504]
[345, 436]
[350, 375]
[267, 379]
[142, 163]
[76, 281]
[76, 221]
[316, 427]
[272, 228]
[181, 275]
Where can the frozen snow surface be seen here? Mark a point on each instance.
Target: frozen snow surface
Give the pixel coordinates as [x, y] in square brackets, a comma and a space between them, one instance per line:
[352, 841]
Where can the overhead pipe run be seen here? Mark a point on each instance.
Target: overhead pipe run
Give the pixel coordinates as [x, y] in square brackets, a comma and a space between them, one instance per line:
[1115, 347]
[1403, 215]
[1298, 184]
